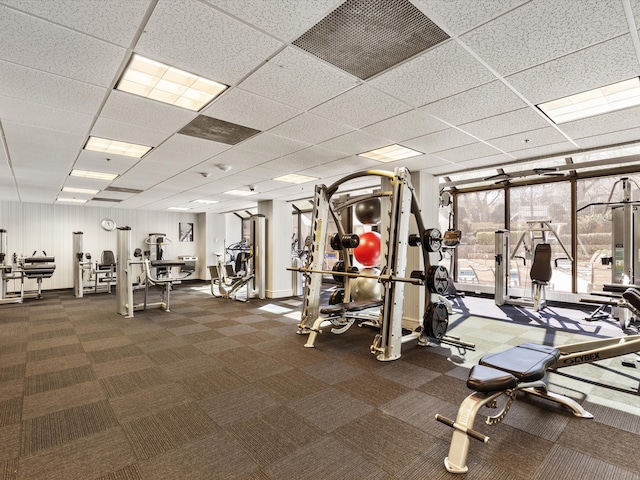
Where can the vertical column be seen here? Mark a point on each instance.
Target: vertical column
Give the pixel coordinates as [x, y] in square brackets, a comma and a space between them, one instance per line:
[278, 250]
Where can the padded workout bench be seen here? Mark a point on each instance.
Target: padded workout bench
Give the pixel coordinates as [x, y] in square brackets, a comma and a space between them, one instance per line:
[518, 369]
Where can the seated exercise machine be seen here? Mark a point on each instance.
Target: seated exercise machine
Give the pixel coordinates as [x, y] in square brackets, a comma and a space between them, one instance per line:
[91, 276]
[154, 273]
[394, 241]
[247, 279]
[21, 268]
[535, 241]
[522, 369]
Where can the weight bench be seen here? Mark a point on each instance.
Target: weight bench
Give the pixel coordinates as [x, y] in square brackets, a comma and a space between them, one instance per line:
[518, 369]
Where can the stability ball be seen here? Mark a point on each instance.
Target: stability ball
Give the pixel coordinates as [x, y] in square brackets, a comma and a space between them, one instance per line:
[368, 252]
[366, 288]
[368, 211]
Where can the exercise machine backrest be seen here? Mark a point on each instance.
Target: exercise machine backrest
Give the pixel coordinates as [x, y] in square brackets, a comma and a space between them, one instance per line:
[541, 270]
[108, 259]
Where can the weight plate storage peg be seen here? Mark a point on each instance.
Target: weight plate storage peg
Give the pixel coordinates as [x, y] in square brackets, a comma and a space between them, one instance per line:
[436, 320]
[432, 239]
[437, 279]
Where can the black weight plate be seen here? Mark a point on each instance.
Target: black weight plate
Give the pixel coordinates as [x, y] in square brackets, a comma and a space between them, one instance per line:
[432, 239]
[338, 267]
[335, 242]
[436, 320]
[437, 279]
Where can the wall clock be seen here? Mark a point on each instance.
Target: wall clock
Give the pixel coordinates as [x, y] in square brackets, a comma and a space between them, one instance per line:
[108, 224]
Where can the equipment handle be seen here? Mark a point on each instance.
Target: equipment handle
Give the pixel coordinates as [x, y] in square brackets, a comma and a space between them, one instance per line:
[472, 433]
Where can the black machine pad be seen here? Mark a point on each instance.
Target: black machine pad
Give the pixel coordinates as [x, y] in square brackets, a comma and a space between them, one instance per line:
[342, 308]
[487, 379]
[527, 362]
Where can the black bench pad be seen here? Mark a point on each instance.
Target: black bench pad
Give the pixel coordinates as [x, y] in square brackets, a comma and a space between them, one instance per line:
[341, 308]
[487, 379]
[633, 297]
[527, 362]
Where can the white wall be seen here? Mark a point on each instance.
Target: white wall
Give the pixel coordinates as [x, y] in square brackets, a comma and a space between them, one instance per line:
[33, 226]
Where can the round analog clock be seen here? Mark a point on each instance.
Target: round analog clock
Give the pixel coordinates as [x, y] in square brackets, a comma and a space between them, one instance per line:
[108, 224]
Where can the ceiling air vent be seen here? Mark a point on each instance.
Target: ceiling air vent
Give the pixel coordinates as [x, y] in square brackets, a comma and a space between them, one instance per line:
[366, 37]
[217, 130]
[100, 199]
[123, 190]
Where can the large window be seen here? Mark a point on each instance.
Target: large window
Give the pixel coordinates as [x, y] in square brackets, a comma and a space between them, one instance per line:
[480, 214]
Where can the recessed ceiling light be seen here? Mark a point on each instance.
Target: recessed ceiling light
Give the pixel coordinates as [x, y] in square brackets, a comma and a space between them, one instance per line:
[88, 191]
[206, 202]
[178, 208]
[240, 193]
[295, 178]
[71, 200]
[105, 145]
[94, 175]
[390, 153]
[616, 96]
[151, 79]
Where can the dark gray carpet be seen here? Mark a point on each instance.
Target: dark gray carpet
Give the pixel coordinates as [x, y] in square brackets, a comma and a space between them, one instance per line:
[218, 389]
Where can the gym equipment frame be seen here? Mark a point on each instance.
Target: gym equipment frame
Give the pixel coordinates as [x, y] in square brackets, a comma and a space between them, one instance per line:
[521, 369]
[395, 236]
[100, 276]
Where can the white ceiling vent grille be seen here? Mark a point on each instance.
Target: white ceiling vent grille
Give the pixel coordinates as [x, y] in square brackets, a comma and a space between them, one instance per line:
[366, 37]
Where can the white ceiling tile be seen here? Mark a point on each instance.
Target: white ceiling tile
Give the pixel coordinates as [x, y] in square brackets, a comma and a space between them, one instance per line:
[97, 161]
[505, 124]
[200, 39]
[40, 87]
[593, 67]
[115, 20]
[133, 109]
[44, 116]
[295, 78]
[310, 128]
[57, 50]
[612, 138]
[127, 132]
[485, 101]
[611, 122]
[535, 138]
[239, 159]
[344, 166]
[307, 158]
[268, 144]
[447, 169]
[549, 29]
[355, 142]
[188, 147]
[41, 147]
[460, 16]
[469, 152]
[421, 162]
[286, 20]
[438, 141]
[405, 126]
[140, 177]
[250, 110]
[545, 150]
[361, 106]
[438, 73]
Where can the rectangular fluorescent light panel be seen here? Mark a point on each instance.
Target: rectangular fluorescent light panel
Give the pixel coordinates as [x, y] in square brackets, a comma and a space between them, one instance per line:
[390, 153]
[178, 208]
[71, 200]
[88, 191]
[598, 101]
[240, 193]
[295, 178]
[155, 80]
[115, 147]
[206, 202]
[94, 175]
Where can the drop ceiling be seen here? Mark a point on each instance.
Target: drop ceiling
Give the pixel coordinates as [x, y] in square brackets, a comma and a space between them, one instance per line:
[466, 101]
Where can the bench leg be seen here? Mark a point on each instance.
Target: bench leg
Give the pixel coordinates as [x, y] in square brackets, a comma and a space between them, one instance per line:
[570, 403]
[456, 461]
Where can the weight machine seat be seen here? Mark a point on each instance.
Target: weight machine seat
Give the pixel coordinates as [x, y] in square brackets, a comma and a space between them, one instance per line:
[527, 362]
[342, 308]
[541, 270]
[167, 263]
[107, 260]
[38, 267]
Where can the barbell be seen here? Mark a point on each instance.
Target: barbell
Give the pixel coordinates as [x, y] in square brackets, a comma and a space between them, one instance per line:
[381, 278]
[433, 239]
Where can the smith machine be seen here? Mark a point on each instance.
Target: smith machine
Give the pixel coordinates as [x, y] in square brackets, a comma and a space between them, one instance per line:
[397, 239]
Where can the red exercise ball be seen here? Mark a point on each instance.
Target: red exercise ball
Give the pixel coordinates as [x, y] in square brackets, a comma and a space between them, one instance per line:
[368, 252]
